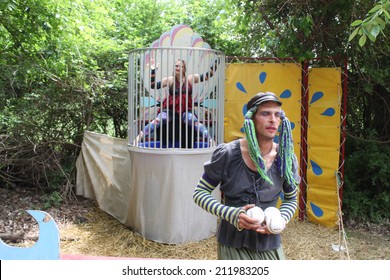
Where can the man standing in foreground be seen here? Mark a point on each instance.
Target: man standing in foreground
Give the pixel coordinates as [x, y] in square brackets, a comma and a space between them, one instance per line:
[252, 171]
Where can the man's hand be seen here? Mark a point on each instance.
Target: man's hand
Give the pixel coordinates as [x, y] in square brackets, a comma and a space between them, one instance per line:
[246, 222]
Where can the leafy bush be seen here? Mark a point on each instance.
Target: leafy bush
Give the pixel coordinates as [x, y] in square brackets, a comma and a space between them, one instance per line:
[52, 200]
[366, 194]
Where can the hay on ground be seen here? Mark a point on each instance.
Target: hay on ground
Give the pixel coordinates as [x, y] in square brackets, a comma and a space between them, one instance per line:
[103, 235]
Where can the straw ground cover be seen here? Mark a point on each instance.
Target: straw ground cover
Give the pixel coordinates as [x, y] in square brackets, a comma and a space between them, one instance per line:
[104, 236]
[87, 230]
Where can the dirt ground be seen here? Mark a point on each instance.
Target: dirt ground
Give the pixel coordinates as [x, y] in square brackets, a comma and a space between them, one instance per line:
[87, 230]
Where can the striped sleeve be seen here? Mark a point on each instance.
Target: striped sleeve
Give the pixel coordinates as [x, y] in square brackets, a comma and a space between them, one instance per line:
[289, 205]
[202, 197]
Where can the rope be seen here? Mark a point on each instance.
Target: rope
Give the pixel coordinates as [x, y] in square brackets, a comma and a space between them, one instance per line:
[342, 234]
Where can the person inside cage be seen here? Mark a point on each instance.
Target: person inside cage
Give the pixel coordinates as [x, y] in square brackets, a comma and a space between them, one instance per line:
[179, 100]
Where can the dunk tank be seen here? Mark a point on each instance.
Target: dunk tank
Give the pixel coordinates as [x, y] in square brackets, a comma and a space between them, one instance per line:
[167, 154]
[147, 180]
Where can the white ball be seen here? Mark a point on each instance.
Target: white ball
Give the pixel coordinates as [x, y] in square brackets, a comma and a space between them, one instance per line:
[256, 213]
[270, 212]
[276, 224]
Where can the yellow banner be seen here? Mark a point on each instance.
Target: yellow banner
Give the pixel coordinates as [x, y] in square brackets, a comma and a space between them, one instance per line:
[323, 138]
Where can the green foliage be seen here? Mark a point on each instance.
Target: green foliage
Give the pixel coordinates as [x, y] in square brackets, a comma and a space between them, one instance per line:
[297, 29]
[367, 186]
[52, 200]
[375, 23]
[64, 71]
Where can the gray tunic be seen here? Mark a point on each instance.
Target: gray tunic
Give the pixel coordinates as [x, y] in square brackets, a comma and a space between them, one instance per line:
[240, 186]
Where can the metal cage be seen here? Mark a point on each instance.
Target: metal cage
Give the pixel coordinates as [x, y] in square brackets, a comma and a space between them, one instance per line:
[158, 118]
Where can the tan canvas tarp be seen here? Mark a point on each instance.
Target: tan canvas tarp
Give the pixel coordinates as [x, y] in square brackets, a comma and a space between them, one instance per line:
[148, 190]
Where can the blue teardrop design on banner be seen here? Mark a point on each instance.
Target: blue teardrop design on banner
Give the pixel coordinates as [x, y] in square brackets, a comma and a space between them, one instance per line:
[241, 87]
[317, 170]
[262, 77]
[329, 112]
[317, 211]
[316, 96]
[286, 94]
